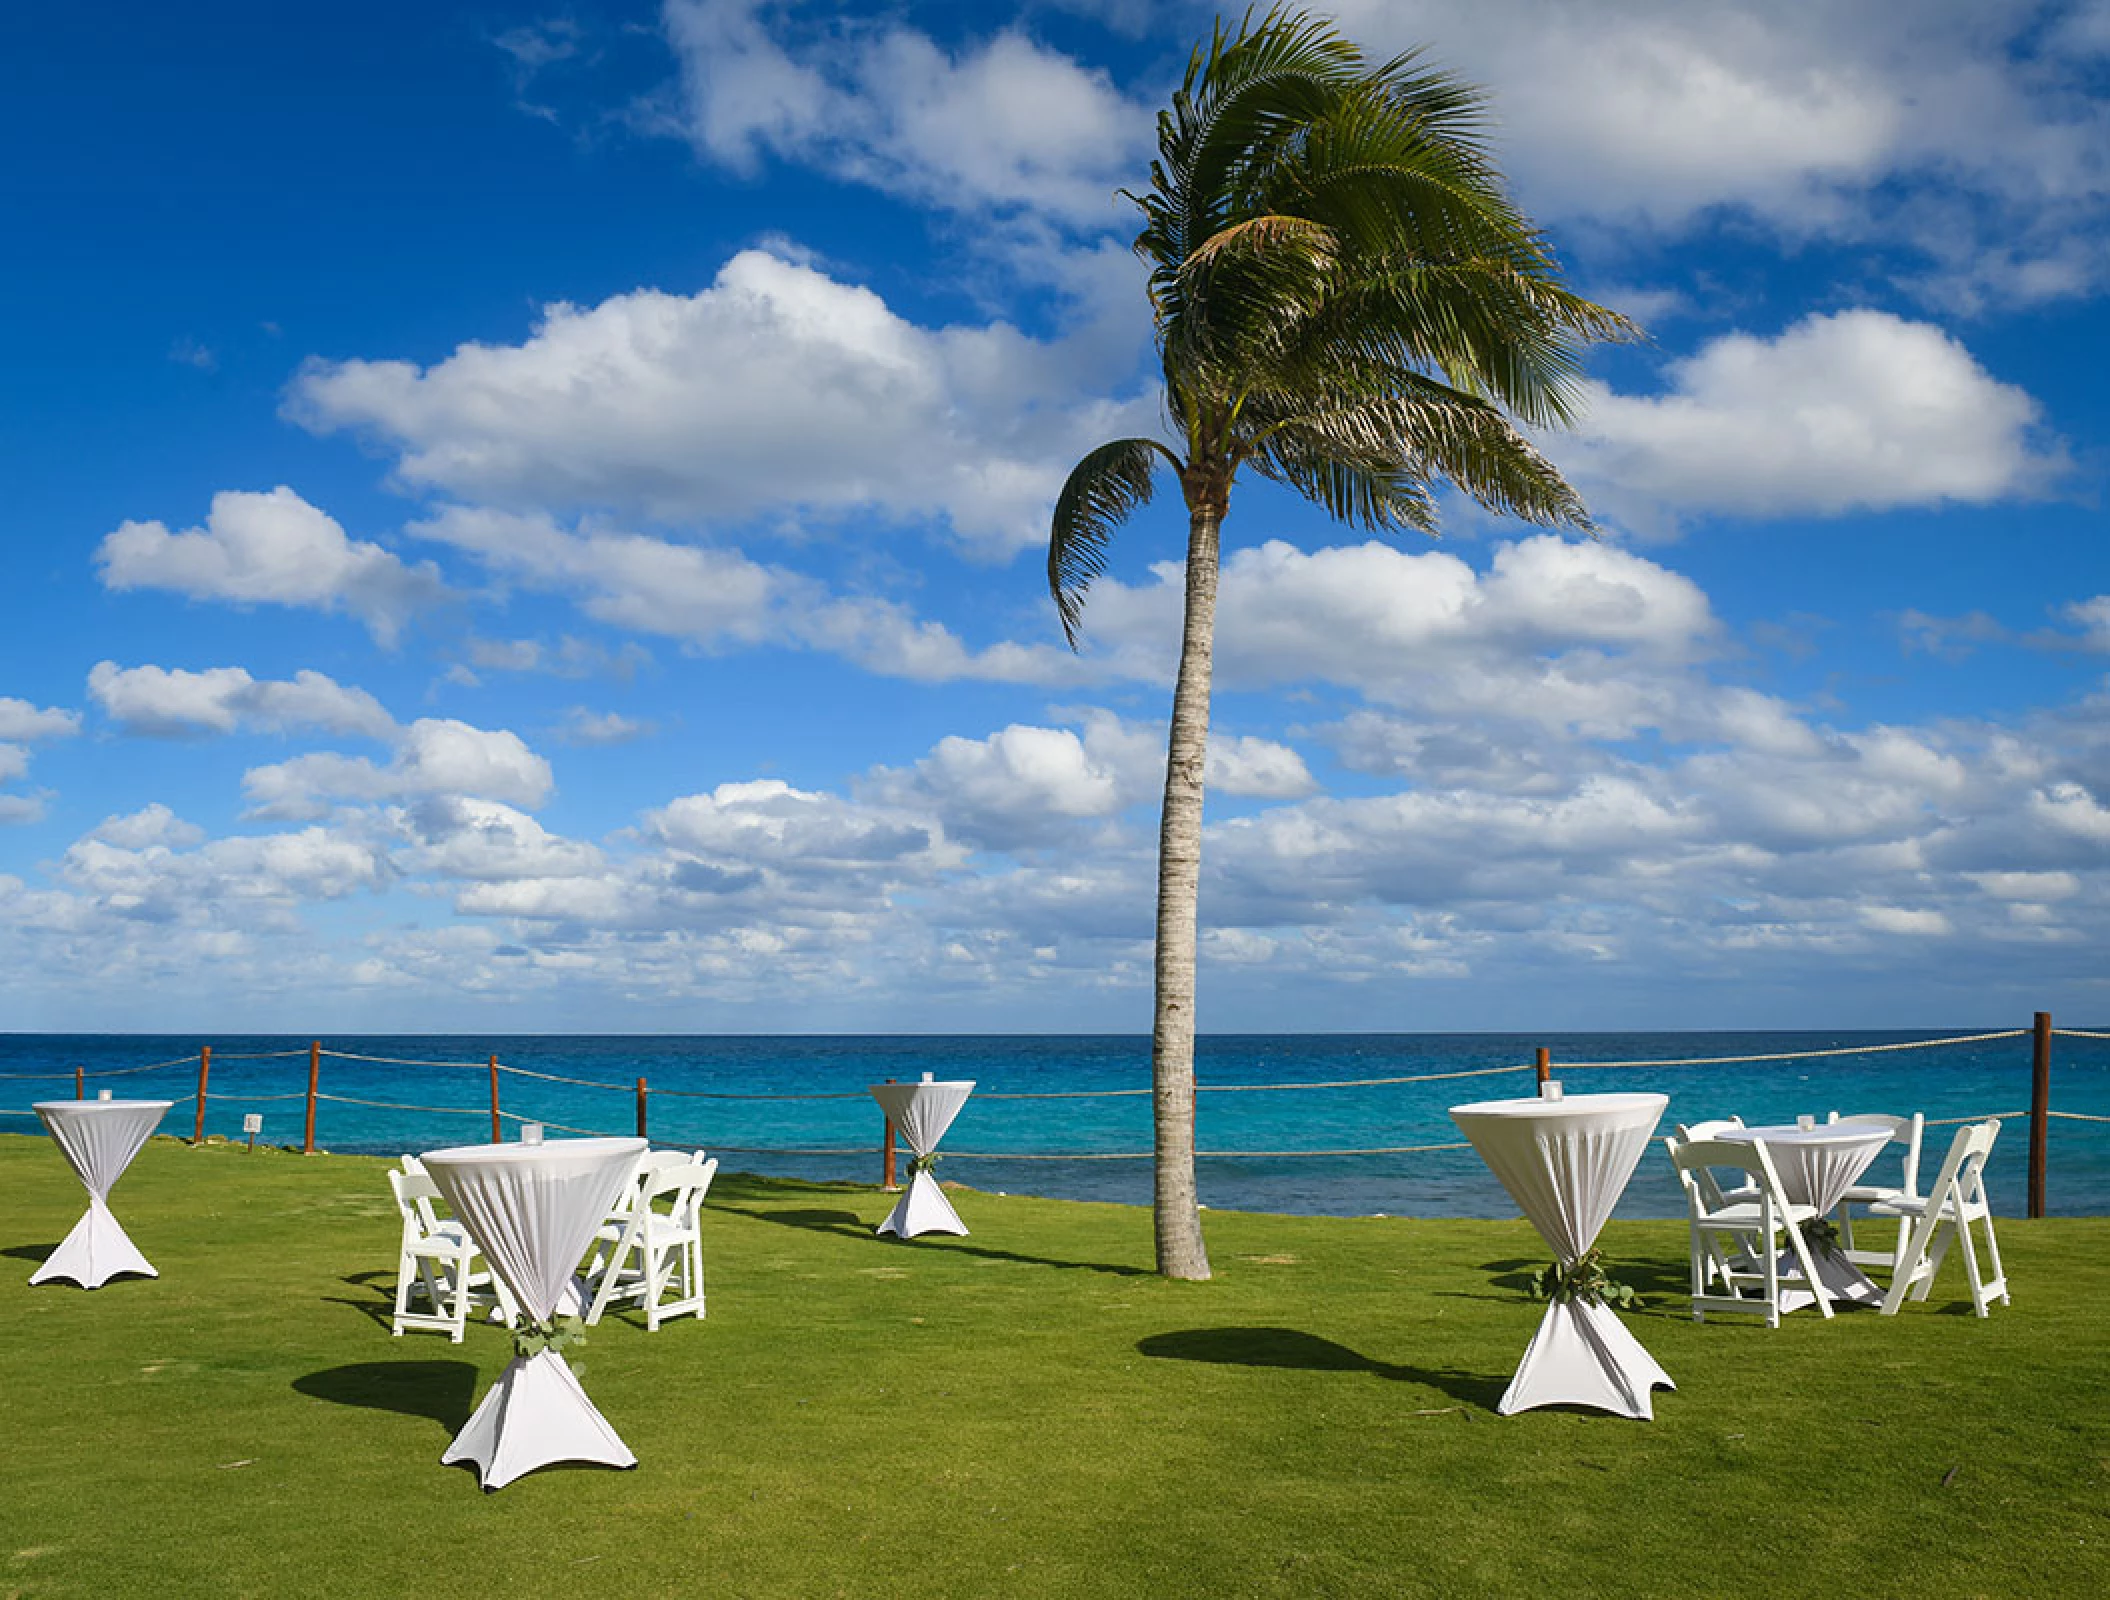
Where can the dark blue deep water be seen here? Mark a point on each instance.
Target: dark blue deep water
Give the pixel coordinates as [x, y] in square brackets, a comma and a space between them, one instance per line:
[796, 1106]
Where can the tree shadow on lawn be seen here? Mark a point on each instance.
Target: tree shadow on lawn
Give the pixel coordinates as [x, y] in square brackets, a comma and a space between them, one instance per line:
[441, 1390]
[1307, 1352]
[850, 1225]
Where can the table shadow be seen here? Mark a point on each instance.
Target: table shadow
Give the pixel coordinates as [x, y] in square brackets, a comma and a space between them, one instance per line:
[852, 1226]
[1307, 1352]
[441, 1390]
[29, 1252]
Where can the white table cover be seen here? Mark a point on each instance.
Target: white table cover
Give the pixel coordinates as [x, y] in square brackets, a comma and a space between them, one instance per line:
[922, 1111]
[98, 1138]
[532, 1210]
[1565, 1163]
[1816, 1166]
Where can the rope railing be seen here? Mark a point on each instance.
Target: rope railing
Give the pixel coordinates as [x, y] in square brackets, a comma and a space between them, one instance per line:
[2039, 1115]
[394, 1061]
[1801, 1055]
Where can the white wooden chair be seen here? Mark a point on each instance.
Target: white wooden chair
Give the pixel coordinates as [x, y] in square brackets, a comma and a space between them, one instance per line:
[1943, 1217]
[653, 1252]
[1710, 1188]
[1907, 1131]
[1757, 1225]
[437, 1260]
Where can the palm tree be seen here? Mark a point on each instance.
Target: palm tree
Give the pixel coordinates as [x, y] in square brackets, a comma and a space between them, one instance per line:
[1346, 302]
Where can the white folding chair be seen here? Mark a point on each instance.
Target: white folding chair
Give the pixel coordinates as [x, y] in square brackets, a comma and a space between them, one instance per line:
[1710, 1189]
[1757, 1225]
[655, 1251]
[1908, 1132]
[437, 1260]
[1944, 1216]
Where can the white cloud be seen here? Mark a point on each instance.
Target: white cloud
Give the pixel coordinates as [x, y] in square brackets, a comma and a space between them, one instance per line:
[153, 824]
[739, 827]
[1552, 632]
[1005, 125]
[459, 836]
[434, 756]
[272, 548]
[173, 701]
[776, 389]
[1856, 411]
[1966, 129]
[19, 719]
[585, 727]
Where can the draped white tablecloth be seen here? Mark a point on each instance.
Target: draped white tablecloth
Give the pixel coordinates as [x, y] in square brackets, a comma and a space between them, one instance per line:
[922, 1111]
[1566, 1163]
[532, 1210]
[98, 1138]
[1816, 1166]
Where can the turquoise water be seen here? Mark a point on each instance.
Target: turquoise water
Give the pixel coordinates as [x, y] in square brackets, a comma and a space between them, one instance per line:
[735, 1097]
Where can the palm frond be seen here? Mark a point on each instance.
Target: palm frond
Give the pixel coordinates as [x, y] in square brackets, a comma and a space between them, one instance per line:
[1098, 496]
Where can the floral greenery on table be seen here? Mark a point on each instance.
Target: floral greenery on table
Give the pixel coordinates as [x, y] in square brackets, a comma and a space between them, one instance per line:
[532, 1337]
[1584, 1279]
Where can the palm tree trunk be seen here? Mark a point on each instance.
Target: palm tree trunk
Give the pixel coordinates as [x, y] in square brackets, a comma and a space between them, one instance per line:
[1176, 1209]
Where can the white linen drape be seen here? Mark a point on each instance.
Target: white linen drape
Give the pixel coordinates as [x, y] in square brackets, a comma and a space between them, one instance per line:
[923, 1111]
[532, 1210]
[98, 1138]
[1566, 1163]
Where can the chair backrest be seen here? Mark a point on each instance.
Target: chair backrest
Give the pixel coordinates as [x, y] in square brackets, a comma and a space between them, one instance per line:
[415, 1193]
[1961, 1181]
[1695, 1160]
[1907, 1131]
[1708, 1130]
[686, 1184]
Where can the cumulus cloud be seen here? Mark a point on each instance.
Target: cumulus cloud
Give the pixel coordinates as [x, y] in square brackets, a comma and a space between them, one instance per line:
[152, 824]
[1551, 630]
[777, 389]
[1849, 412]
[273, 549]
[1004, 125]
[714, 599]
[173, 702]
[1967, 130]
[19, 719]
[433, 756]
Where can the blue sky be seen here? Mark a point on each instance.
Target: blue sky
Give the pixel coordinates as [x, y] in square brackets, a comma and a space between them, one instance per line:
[532, 518]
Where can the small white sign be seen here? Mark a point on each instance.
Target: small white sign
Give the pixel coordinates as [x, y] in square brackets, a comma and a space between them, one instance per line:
[253, 1122]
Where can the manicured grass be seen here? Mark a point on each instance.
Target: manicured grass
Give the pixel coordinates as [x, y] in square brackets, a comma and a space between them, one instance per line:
[1026, 1411]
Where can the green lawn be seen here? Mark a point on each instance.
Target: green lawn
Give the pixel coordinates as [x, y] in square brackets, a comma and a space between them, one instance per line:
[1027, 1411]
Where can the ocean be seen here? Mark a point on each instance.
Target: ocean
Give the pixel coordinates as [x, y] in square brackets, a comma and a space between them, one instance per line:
[1061, 1115]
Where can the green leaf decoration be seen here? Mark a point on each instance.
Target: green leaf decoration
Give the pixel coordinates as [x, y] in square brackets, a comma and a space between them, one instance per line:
[531, 1338]
[1585, 1280]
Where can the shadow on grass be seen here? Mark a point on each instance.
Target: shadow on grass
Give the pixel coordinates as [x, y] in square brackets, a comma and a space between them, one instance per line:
[29, 1252]
[1307, 1352]
[441, 1390]
[850, 1225]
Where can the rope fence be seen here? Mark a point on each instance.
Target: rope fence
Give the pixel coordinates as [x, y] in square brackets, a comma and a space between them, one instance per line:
[2039, 1114]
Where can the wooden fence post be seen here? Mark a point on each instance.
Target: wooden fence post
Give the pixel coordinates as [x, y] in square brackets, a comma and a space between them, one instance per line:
[1545, 1066]
[204, 1072]
[307, 1138]
[641, 1110]
[496, 1136]
[886, 1160]
[2039, 1110]
[80, 1083]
